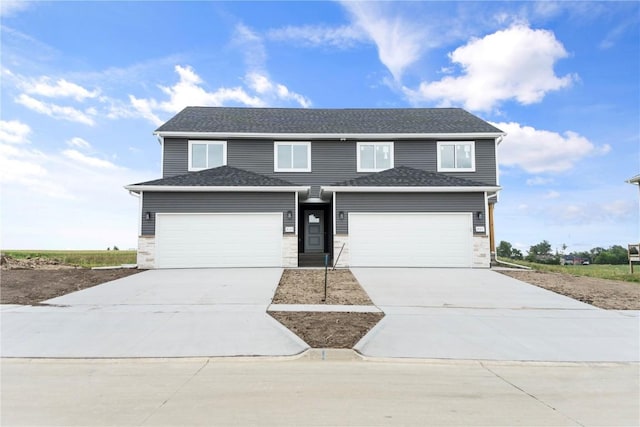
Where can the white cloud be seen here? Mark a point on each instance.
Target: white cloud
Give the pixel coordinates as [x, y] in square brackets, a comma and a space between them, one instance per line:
[538, 151]
[341, 37]
[551, 194]
[78, 143]
[516, 63]
[538, 180]
[60, 89]
[12, 7]
[14, 132]
[400, 41]
[83, 159]
[56, 111]
[189, 91]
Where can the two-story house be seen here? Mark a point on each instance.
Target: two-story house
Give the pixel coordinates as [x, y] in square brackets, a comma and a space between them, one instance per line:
[267, 187]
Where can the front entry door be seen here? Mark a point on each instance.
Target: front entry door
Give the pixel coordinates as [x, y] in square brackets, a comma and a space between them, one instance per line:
[314, 231]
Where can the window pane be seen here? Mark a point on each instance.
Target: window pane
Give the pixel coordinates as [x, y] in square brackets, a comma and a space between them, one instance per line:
[284, 156]
[215, 155]
[199, 156]
[300, 157]
[367, 159]
[447, 156]
[383, 156]
[463, 156]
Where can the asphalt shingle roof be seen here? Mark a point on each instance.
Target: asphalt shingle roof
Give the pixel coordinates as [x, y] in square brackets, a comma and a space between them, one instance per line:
[326, 121]
[223, 176]
[404, 176]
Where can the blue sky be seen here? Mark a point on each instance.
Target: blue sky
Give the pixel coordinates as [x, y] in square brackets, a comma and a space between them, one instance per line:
[84, 84]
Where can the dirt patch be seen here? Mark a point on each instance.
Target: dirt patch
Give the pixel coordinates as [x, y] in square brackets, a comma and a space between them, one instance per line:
[602, 293]
[328, 330]
[30, 287]
[324, 329]
[307, 287]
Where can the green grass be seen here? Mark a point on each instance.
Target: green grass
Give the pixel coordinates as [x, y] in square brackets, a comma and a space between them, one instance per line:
[602, 271]
[85, 259]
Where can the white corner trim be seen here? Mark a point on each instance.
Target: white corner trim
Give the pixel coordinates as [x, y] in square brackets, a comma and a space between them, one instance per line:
[214, 189]
[296, 207]
[339, 136]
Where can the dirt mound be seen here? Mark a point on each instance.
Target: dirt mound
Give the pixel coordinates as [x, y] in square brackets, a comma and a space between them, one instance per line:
[32, 263]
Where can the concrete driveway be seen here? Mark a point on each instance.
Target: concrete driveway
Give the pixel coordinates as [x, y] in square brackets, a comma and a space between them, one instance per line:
[481, 314]
[157, 313]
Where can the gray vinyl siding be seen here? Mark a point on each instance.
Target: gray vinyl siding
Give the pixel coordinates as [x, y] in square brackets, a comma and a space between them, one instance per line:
[175, 158]
[173, 202]
[408, 202]
[423, 155]
[331, 161]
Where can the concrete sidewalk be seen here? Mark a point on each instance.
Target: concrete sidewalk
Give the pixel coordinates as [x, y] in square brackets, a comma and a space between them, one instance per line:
[157, 313]
[481, 314]
[316, 393]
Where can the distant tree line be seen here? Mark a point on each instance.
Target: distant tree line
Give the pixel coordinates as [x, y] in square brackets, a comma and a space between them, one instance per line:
[543, 253]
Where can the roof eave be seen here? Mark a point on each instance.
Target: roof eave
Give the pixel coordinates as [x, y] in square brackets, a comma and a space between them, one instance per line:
[211, 188]
[409, 189]
[342, 136]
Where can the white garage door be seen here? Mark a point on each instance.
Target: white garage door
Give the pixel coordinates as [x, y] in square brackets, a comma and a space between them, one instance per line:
[218, 240]
[410, 240]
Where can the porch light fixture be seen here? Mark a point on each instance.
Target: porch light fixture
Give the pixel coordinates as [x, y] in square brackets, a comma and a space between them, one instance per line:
[147, 215]
[289, 214]
[479, 214]
[341, 215]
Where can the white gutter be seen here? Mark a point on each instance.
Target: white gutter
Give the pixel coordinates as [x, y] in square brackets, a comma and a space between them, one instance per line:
[341, 136]
[209, 188]
[452, 189]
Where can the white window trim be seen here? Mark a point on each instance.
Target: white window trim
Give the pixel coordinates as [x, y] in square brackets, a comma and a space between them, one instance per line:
[473, 156]
[360, 169]
[276, 168]
[207, 142]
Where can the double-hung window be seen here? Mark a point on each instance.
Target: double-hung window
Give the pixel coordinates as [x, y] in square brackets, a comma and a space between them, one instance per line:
[456, 156]
[207, 154]
[374, 156]
[289, 156]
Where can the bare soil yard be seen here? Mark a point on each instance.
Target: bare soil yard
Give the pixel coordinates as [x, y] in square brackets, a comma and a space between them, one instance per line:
[324, 329]
[602, 293]
[32, 281]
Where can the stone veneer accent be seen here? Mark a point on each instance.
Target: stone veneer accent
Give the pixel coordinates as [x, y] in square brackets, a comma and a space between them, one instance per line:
[289, 250]
[481, 252]
[146, 258]
[338, 241]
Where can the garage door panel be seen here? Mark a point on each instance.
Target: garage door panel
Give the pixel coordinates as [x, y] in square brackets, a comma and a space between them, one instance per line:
[219, 240]
[410, 240]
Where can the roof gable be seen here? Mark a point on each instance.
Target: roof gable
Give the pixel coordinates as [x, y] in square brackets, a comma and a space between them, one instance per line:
[326, 121]
[223, 176]
[404, 176]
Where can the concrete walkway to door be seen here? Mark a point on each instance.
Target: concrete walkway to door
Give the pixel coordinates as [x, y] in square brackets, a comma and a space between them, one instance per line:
[157, 313]
[484, 315]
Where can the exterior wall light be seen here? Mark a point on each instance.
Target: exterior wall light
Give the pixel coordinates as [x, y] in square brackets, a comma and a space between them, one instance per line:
[147, 215]
[341, 215]
[289, 214]
[479, 215]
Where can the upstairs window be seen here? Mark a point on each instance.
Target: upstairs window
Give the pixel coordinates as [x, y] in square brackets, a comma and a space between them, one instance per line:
[374, 156]
[207, 154]
[292, 156]
[456, 156]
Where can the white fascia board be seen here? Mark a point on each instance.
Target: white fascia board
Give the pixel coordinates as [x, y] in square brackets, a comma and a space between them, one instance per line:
[342, 136]
[230, 189]
[354, 189]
